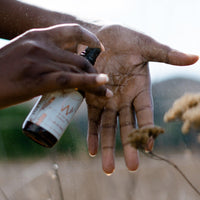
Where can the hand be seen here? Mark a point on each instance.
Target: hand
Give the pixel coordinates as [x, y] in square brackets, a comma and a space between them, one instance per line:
[125, 60]
[186, 109]
[45, 60]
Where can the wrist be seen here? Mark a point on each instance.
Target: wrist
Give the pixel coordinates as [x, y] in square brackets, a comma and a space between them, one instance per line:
[58, 18]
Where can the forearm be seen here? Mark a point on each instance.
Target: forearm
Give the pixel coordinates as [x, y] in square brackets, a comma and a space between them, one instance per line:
[17, 17]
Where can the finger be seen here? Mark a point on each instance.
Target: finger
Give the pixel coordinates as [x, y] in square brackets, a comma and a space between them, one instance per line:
[78, 61]
[58, 55]
[94, 117]
[75, 33]
[127, 124]
[144, 112]
[108, 130]
[100, 91]
[51, 66]
[154, 51]
[150, 144]
[144, 108]
[64, 80]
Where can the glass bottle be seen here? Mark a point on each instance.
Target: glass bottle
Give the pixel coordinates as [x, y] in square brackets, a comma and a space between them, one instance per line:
[53, 112]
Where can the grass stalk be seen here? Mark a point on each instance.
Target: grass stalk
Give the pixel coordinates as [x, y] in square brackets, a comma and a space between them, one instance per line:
[158, 157]
[3, 193]
[55, 167]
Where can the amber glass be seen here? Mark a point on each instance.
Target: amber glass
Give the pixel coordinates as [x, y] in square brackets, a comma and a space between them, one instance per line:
[38, 133]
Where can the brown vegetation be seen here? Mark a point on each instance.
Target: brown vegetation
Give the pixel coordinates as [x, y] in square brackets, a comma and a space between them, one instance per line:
[82, 179]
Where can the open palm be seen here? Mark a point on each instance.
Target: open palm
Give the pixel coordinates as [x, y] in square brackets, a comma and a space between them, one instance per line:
[125, 60]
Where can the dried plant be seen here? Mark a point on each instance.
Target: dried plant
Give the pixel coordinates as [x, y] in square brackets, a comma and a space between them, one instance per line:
[139, 139]
[158, 157]
[186, 109]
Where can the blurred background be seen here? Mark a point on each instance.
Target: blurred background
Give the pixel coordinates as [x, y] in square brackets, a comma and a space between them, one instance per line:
[25, 167]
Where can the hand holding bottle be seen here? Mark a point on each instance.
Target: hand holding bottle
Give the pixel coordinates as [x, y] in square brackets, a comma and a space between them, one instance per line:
[45, 60]
[53, 112]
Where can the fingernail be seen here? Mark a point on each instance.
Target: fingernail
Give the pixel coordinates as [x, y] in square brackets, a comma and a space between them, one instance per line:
[109, 173]
[102, 79]
[149, 146]
[92, 155]
[109, 93]
[102, 47]
[132, 171]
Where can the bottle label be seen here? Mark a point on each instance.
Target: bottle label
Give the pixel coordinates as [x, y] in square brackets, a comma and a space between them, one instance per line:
[54, 111]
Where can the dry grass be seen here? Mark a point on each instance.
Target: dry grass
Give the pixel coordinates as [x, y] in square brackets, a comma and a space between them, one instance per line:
[83, 179]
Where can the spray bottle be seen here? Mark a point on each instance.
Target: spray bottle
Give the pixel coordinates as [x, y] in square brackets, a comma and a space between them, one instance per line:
[53, 112]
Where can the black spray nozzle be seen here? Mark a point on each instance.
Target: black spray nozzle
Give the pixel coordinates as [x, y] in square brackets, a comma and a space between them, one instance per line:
[91, 54]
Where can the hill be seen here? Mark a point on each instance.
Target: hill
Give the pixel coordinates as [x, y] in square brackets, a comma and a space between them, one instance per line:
[164, 94]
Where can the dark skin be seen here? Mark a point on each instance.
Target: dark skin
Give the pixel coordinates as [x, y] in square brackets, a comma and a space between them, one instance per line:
[50, 55]
[19, 17]
[43, 60]
[126, 61]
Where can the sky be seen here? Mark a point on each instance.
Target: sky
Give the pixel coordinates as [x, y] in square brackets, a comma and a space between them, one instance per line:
[171, 22]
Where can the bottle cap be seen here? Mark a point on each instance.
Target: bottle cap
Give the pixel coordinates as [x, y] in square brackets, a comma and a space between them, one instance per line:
[91, 54]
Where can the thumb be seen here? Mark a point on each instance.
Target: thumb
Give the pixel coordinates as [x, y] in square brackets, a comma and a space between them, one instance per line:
[155, 51]
[178, 58]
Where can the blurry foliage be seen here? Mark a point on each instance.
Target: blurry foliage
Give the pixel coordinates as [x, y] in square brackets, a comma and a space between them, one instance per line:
[73, 140]
[14, 144]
